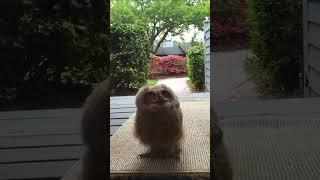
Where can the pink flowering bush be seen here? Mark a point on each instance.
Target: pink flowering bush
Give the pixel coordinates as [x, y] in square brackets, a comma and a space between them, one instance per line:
[167, 65]
[229, 22]
[229, 29]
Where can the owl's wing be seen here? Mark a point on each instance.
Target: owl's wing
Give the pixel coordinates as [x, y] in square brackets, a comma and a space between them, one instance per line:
[140, 95]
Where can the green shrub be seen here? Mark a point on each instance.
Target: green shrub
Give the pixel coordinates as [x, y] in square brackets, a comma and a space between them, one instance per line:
[276, 41]
[129, 57]
[50, 44]
[41, 38]
[195, 66]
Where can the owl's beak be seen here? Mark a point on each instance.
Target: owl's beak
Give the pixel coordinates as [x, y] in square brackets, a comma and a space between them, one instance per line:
[161, 100]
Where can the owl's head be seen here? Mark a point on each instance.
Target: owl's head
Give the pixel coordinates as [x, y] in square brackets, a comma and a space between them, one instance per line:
[156, 98]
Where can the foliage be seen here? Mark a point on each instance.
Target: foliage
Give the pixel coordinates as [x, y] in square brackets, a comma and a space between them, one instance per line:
[48, 43]
[151, 82]
[229, 20]
[228, 8]
[276, 41]
[229, 30]
[129, 57]
[168, 65]
[159, 17]
[195, 65]
[195, 42]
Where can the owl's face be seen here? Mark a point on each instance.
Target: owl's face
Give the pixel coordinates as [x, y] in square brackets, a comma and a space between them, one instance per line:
[157, 98]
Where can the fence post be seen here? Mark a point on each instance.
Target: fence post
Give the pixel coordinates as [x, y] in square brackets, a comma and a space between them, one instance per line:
[206, 45]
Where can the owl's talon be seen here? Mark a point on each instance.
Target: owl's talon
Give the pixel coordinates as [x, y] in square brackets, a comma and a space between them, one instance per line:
[145, 155]
[157, 155]
[179, 150]
[174, 156]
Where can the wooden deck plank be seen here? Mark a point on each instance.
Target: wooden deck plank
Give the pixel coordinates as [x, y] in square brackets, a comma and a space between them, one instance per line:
[8, 156]
[43, 126]
[13, 129]
[120, 110]
[121, 106]
[51, 169]
[34, 141]
[120, 115]
[180, 95]
[43, 132]
[113, 129]
[40, 114]
[118, 122]
[115, 99]
[131, 102]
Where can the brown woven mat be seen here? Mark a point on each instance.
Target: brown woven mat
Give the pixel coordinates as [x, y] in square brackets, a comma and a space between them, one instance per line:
[195, 155]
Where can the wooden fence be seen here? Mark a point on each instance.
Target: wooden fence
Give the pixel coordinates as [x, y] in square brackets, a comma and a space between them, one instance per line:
[311, 38]
[206, 44]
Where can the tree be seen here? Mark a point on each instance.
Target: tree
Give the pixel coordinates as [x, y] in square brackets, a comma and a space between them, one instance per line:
[160, 17]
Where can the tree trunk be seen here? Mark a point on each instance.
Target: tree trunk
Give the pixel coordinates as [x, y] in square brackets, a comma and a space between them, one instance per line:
[161, 40]
[154, 34]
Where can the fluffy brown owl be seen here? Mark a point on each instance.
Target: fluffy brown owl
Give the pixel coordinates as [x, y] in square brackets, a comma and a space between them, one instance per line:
[221, 162]
[94, 132]
[158, 121]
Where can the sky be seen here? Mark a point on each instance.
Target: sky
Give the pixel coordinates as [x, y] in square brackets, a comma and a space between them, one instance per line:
[188, 35]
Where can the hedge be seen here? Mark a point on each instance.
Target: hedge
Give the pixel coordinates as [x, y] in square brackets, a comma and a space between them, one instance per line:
[229, 29]
[48, 47]
[129, 58]
[195, 66]
[276, 41]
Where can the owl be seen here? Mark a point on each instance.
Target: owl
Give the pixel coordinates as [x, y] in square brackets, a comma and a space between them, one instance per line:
[222, 167]
[158, 121]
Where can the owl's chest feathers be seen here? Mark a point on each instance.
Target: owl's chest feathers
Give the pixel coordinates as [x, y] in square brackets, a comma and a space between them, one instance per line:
[162, 118]
[158, 127]
[157, 120]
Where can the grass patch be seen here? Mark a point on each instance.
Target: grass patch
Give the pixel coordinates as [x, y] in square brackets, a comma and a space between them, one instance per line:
[193, 87]
[190, 84]
[151, 82]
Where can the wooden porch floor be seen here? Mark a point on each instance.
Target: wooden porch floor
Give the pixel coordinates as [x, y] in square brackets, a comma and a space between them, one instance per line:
[46, 143]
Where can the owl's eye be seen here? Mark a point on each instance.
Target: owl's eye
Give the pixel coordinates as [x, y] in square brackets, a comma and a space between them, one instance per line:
[152, 95]
[150, 98]
[165, 94]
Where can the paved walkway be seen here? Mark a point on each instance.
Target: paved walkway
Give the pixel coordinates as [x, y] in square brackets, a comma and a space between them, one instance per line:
[230, 80]
[178, 85]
